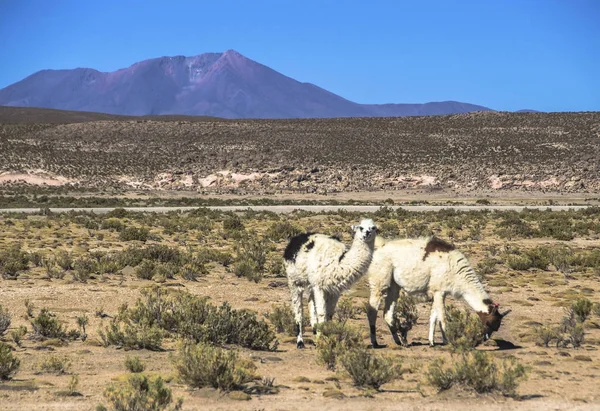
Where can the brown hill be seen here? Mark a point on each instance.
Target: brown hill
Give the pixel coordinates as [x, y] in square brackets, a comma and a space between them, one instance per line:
[475, 151]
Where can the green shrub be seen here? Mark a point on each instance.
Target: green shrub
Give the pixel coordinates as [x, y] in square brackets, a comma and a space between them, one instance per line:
[406, 312]
[83, 268]
[64, 260]
[13, 260]
[546, 334]
[335, 339]
[345, 310]
[369, 370]
[487, 266]
[188, 316]
[46, 325]
[582, 308]
[8, 363]
[282, 317]
[518, 262]
[139, 393]
[281, 230]
[134, 364]
[36, 259]
[73, 384]
[479, 371]
[134, 234]
[4, 320]
[463, 330]
[112, 224]
[18, 334]
[145, 271]
[233, 223]
[250, 261]
[132, 336]
[201, 365]
[54, 364]
[245, 267]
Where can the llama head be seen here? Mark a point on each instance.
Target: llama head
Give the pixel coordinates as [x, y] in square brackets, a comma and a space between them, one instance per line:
[366, 230]
[492, 319]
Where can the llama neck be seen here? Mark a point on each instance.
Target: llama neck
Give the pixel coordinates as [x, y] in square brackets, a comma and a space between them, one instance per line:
[474, 295]
[353, 264]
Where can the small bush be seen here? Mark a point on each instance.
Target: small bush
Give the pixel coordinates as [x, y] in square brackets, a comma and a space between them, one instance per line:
[139, 393]
[134, 364]
[132, 336]
[134, 234]
[233, 223]
[282, 230]
[73, 385]
[487, 266]
[83, 268]
[200, 365]
[4, 320]
[54, 364]
[36, 259]
[282, 317]
[12, 261]
[519, 262]
[250, 261]
[406, 312]
[335, 339]
[64, 260]
[582, 308]
[479, 371]
[345, 310]
[145, 271]
[369, 370]
[18, 334]
[8, 363]
[463, 330]
[545, 335]
[187, 316]
[46, 325]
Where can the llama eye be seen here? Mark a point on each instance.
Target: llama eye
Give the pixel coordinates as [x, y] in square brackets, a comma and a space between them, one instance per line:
[360, 228]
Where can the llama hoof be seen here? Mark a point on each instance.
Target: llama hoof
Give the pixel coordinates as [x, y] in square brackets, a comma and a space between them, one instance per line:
[378, 346]
[300, 344]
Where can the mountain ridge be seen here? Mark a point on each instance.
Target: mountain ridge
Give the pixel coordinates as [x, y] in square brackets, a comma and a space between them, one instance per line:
[227, 85]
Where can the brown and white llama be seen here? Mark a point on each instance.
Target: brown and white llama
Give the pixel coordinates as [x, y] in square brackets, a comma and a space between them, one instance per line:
[428, 266]
[324, 268]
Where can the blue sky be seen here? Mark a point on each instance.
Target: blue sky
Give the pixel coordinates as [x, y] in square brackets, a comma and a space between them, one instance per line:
[507, 55]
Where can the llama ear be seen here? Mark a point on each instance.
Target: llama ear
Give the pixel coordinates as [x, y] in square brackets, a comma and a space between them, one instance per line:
[505, 312]
[354, 227]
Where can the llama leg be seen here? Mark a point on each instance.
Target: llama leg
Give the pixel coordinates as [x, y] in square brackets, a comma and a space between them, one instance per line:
[389, 314]
[296, 293]
[320, 306]
[330, 304]
[313, 312]
[372, 308]
[432, 324]
[441, 314]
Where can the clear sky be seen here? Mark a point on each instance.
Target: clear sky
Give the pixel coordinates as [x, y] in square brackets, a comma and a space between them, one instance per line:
[504, 54]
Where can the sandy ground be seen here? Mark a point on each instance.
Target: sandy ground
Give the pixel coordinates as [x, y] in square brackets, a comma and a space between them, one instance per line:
[565, 379]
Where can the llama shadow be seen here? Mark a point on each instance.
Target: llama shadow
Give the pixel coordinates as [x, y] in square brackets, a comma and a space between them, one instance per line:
[504, 345]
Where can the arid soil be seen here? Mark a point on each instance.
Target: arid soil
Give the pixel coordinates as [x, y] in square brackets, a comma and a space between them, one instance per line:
[467, 153]
[558, 378]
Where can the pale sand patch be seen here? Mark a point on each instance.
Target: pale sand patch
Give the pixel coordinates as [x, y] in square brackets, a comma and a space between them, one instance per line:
[35, 178]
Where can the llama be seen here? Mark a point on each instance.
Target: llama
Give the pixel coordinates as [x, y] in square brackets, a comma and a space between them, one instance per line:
[427, 266]
[325, 268]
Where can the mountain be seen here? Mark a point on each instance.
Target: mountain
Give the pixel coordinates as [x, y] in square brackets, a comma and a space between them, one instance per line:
[225, 85]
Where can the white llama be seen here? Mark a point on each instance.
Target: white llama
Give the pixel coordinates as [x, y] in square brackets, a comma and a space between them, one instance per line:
[427, 266]
[324, 267]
